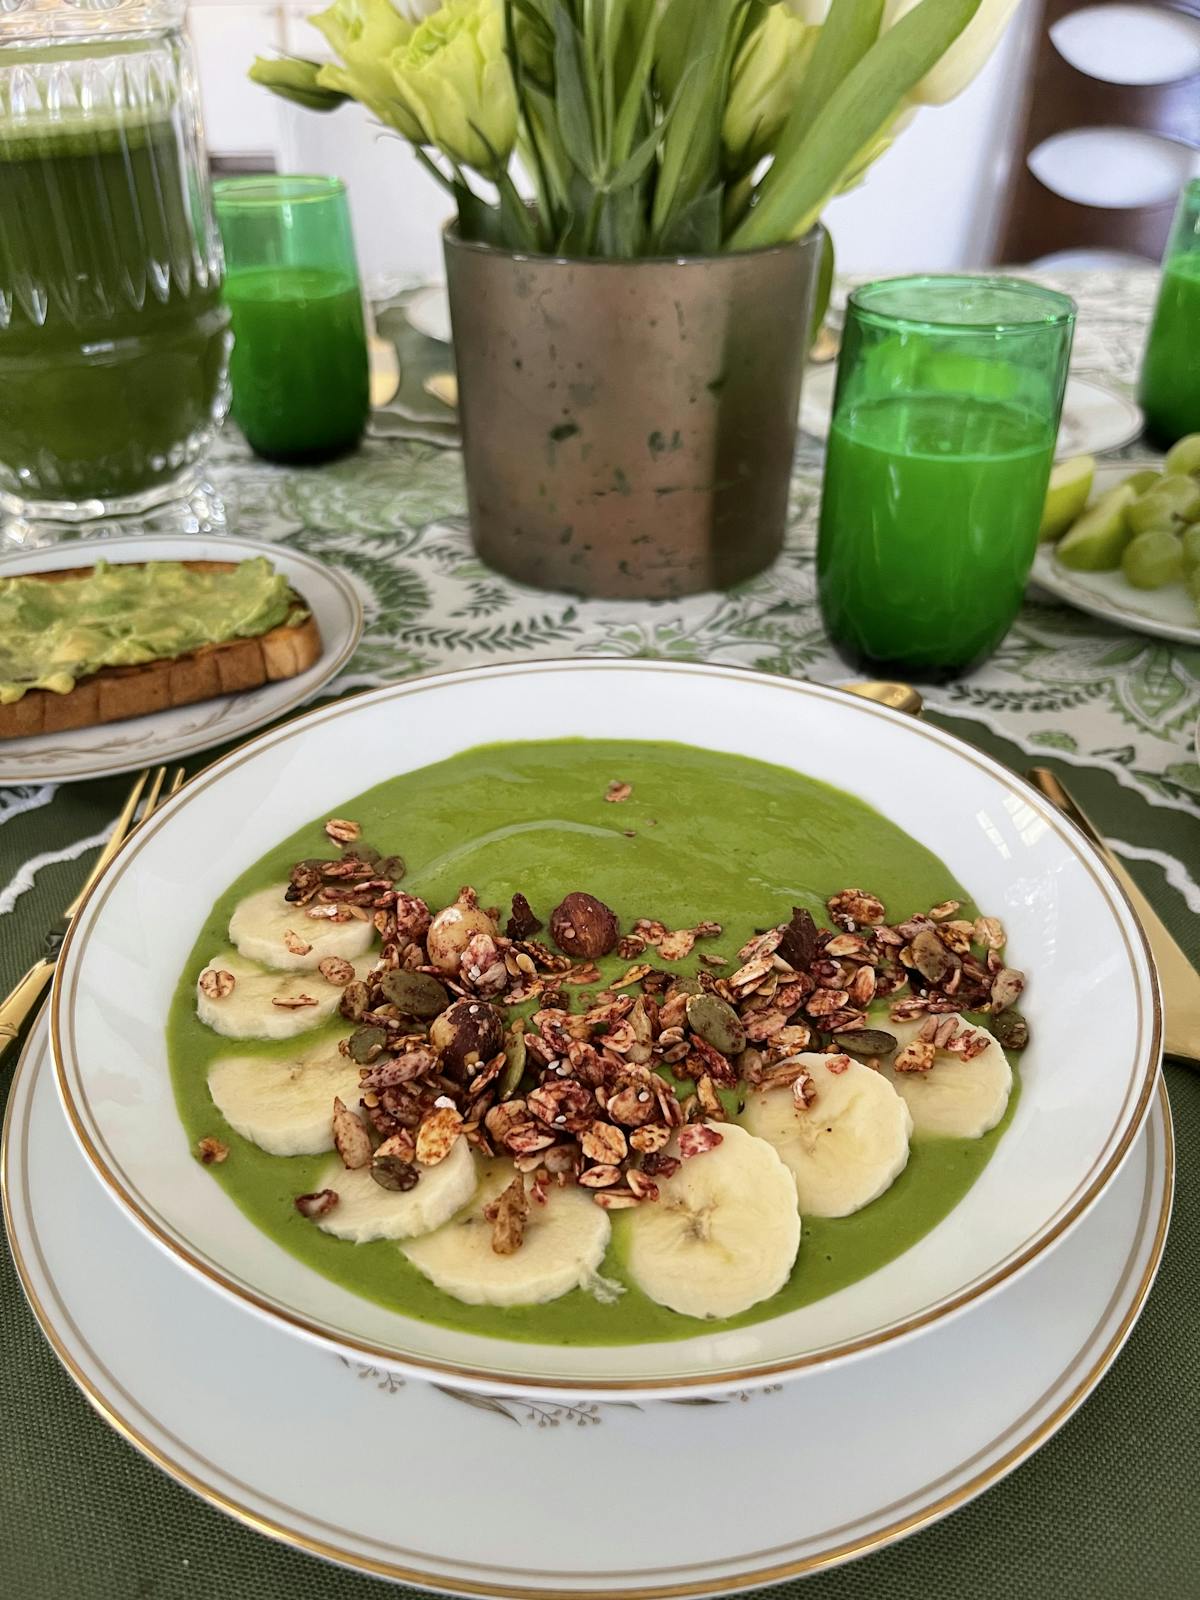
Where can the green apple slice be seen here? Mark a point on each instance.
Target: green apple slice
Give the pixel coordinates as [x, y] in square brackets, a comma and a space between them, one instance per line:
[1098, 538]
[1066, 495]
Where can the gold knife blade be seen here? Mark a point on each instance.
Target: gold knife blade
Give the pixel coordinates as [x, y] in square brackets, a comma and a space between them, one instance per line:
[1179, 979]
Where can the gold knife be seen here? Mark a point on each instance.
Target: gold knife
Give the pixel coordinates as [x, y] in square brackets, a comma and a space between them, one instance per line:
[1179, 978]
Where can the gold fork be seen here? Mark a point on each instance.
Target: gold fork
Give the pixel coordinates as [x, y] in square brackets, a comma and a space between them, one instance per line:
[20, 1001]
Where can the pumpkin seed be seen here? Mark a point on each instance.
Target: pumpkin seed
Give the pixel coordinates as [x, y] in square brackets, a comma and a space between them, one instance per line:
[684, 985]
[392, 1172]
[361, 852]
[514, 1064]
[931, 957]
[1011, 1029]
[866, 1042]
[417, 994]
[392, 867]
[366, 1043]
[716, 1023]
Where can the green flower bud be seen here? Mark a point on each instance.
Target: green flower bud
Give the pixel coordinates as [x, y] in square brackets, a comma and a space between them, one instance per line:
[766, 77]
[295, 80]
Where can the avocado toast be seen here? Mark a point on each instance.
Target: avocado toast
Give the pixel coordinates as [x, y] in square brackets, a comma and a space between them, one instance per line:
[91, 645]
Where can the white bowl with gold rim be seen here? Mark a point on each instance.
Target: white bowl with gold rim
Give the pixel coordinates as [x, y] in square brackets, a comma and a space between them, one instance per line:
[1087, 1076]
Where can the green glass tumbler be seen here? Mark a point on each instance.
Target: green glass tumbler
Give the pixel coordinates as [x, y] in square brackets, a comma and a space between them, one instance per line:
[299, 367]
[1170, 392]
[949, 394]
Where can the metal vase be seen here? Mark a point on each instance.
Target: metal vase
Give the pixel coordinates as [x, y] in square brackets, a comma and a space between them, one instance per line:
[629, 426]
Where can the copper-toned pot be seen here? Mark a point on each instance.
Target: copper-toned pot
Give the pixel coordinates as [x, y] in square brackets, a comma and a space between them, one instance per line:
[629, 426]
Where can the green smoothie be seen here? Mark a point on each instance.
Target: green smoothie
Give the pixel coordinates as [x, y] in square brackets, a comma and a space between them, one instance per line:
[112, 343]
[703, 836]
[929, 524]
[1170, 392]
[299, 367]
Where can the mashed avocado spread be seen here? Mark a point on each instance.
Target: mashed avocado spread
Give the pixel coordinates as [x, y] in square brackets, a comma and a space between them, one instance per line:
[53, 634]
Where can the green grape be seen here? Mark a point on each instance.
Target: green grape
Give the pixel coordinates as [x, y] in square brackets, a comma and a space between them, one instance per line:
[1193, 588]
[1152, 560]
[1172, 501]
[1182, 494]
[1184, 456]
[1191, 550]
[1144, 479]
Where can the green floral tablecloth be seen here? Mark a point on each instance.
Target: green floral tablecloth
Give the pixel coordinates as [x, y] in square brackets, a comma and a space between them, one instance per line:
[1109, 1507]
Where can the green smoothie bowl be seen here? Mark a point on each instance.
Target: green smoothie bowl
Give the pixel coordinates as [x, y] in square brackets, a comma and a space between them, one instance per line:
[729, 1027]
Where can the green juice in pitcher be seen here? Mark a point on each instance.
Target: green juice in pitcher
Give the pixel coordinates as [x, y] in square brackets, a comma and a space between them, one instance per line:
[928, 528]
[113, 337]
[1170, 392]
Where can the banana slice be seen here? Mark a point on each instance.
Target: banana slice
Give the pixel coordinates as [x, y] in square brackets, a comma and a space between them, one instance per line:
[261, 1004]
[564, 1244]
[283, 1103]
[366, 1211]
[723, 1233]
[957, 1098]
[845, 1148]
[266, 928]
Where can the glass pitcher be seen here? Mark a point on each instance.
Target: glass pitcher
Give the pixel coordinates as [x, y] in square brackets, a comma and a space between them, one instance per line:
[114, 343]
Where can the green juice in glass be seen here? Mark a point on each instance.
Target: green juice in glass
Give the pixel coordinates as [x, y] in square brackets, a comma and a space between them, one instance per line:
[1170, 392]
[112, 333]
[928, 528]
[299, 367]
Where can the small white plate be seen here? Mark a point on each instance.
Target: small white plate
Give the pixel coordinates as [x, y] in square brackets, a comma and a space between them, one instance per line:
[1087, 1076]
[1095, 418]
[169, 735]
[1167, 613]
[349, 1462]
[429, 313]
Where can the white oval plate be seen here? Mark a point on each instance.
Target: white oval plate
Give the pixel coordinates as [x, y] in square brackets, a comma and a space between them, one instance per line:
[1094, 417]
[1167, 613]
[428, 311]
[831, 1457]
[1093, 1004]
[169, 735]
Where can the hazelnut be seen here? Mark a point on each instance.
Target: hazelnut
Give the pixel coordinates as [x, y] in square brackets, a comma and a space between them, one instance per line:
[468, 1033]
[584, 926]
[451, 930]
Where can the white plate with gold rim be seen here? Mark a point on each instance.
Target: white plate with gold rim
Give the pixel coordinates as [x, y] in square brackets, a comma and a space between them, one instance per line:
[1088, 1076]
[229, 1406]
[170, 735]
[1095, 417]
[1166, 613]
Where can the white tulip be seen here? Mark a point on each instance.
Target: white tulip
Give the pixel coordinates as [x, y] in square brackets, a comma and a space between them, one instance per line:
[965, 58]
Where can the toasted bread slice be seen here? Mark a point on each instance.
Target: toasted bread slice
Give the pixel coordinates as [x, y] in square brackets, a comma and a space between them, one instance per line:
[115, 693]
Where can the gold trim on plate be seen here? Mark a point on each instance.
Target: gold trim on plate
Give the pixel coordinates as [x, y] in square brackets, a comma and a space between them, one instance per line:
[330, 1549]
[1142, 1076]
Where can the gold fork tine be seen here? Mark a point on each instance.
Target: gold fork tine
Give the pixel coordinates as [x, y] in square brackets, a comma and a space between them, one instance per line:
[158, 793]
[154, 791]
[122, 826]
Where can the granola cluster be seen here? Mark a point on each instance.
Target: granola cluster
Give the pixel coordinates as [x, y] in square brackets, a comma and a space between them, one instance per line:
[593, 1097]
